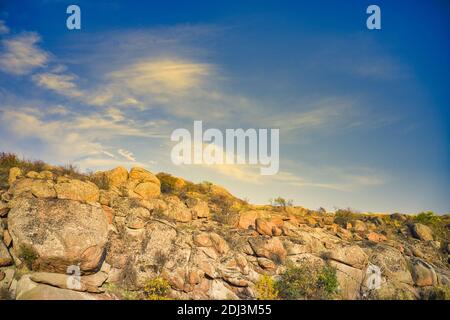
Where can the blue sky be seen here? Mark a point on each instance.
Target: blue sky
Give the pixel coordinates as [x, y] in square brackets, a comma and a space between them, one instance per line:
[363, 115]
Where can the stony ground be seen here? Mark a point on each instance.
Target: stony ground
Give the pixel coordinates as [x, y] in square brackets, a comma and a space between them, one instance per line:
[126, 235]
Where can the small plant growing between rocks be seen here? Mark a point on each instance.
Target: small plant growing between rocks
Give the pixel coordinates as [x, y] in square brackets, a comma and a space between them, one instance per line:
[168, 182]
[308, 281]
[435, 222]
[128, 277]
[160, 260]
[265, 288]
[100, 180]
[121, 293]
[344, 216]
[157, 289]
[276, 258]
[28, 255]
[158, 213]
[223, 210]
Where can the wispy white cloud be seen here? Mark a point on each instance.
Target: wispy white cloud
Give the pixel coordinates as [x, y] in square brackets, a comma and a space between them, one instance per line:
[3, 27]
[321, 113]
[162, 76]
[58, 140]
[126, 154]
[61, 83]
[109, 154]
[99, 163]
[345, 179]
[21, 54]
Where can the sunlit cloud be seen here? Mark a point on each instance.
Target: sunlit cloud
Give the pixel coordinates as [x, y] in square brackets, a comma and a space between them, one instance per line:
[164, 76]
[60, 83]
[126, 154]
[21, 54]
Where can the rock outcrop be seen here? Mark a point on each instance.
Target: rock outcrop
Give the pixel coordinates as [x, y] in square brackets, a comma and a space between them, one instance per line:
[52, 234]
[107, 235]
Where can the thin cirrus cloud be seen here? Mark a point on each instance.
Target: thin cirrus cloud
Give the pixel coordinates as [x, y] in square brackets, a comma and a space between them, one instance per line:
[53, 135]
[145, 97]
[180, 87]
[162, 76]
[3, 27]
[21, 54]
[127, 154]
[60, 83]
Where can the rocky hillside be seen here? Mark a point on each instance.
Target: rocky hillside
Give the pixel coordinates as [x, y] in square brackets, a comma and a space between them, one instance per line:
[134, 235]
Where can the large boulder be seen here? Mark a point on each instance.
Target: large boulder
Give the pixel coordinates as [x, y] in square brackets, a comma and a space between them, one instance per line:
[391, 261]
[116, 176]
[147, 190]
[142, 175]
[211, 240]
[423, 273]
[269, 227]
[177, 210]
[91, 283]
[219, 291]
[272, 248]
[349, 280]
[359, 226]
[50, 235]
[352, 256]
[421, 232]
[141, 184]
[247, 219]
[78, 190]
[29, 290]
[198, 207]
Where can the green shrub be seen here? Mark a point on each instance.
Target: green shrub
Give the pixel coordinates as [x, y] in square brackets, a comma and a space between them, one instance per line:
[308, 281]
[344, 216]
[437, 223]
[439, 293]
[223, 211]
[348, 213]
[120, 292]
[327, 280]
[168, 182]
[71, 171]
[202, 188]
[427, 217]
[10, 160]
[157, 289]
[281, 203]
